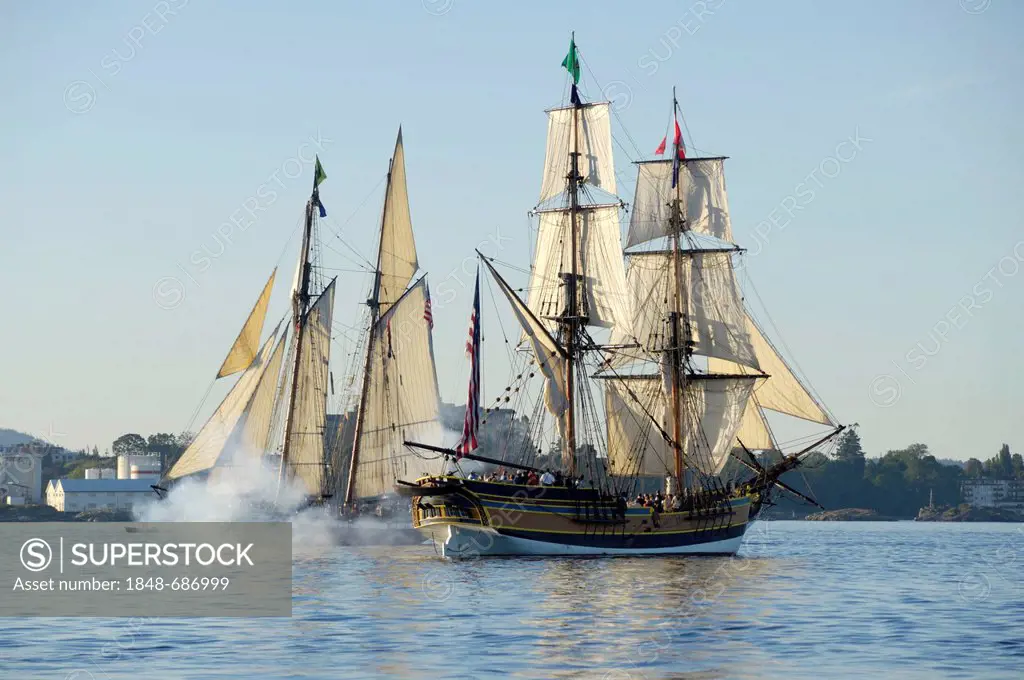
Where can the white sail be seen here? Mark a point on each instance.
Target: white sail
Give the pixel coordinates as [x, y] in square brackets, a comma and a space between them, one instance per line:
[211, 442]
[306, 425]
[708, 297]
[397, 261]
[595, 144]
[638, 423]
[598, 263]
[550, 356]
[402, 401]
[243, 351]
[782, 391]
[705, 205]
[637, 418]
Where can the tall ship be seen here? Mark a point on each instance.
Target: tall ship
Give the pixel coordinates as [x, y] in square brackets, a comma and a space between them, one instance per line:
[650, 368]
[275, 416]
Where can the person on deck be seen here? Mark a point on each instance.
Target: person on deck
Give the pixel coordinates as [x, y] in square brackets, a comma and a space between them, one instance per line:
[531, 478]
[547, 479]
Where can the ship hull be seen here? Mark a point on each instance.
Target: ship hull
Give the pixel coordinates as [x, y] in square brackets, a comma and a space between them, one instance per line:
[485, 519]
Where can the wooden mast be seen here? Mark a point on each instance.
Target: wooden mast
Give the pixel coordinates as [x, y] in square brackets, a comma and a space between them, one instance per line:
[571, 320]
[374, 304]
[300, 304]
[677, 363]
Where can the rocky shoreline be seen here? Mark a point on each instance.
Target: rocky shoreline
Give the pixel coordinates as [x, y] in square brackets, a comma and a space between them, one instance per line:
[44, 513]
[967, 513]
[849, 515]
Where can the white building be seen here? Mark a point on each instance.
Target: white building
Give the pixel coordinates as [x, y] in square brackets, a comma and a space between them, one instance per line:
[76, 495]
[21, 476]
[994, 493]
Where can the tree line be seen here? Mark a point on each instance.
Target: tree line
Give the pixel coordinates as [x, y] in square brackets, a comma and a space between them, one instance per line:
[898, 484]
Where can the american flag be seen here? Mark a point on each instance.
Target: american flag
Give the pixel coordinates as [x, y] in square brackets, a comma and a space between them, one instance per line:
[428, 315]
[471, 424]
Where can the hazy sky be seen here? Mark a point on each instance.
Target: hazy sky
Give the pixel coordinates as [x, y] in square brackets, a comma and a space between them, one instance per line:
[134, 131]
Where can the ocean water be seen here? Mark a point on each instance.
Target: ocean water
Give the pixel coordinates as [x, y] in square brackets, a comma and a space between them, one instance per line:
[802, 600]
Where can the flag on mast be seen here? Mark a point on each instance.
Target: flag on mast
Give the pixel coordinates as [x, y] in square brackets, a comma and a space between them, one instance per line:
[319, 176]
[471, 424]
[572, 65]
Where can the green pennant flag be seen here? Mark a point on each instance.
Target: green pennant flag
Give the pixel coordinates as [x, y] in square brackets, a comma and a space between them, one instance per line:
[572, 63]
[318, 175]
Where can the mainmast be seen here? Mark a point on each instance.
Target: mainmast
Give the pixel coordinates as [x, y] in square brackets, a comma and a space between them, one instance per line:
[572, 319]
[374, 304]
[680, 337]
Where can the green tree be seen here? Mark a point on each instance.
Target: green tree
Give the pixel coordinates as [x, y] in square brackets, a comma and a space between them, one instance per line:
[1018, 466]
[128, 443]
[973, 468]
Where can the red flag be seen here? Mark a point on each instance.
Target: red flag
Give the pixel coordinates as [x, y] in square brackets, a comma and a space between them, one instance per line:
[679, 142]
[661, 147]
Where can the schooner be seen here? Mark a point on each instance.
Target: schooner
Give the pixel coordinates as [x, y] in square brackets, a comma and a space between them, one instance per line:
[684, 372]
[276, 412]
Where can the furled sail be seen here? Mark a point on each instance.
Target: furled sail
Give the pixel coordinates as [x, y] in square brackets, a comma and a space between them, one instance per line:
[599, 264]
[397, 260]
[638, 423]
[248, 341]
[306, 426]
[211, 442]
[782, 391]
[709, 298]
[595, 144]
[705, 205]
[549, 354]
[402, 401]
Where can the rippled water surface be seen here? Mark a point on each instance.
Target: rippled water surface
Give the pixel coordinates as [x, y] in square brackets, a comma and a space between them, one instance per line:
[803, 599]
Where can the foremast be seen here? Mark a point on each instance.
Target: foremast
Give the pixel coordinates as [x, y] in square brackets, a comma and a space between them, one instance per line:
[571, 320]
[300, 316]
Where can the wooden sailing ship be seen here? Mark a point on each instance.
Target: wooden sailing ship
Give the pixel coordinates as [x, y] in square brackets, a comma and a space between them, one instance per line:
[685, 373]
[275, 415]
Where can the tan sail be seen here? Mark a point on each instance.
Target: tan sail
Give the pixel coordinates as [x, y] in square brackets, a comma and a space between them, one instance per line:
[211, 442]
[306, 427]
[254, 430]
[397, 261]
[402, 402]
[243, 351]
[782, 391]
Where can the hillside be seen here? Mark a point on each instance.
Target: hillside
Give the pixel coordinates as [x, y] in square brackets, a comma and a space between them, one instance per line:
[13, 437]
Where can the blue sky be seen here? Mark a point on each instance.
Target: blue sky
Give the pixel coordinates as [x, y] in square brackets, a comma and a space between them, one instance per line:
[134, 130]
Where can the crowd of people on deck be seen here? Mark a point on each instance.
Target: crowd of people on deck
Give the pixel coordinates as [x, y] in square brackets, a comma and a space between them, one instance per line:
[531, 478]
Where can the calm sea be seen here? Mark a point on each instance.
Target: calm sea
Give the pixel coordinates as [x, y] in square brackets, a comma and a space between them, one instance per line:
[803, 599]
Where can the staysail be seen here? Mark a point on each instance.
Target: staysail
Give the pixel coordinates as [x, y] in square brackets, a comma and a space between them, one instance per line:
[782, 391]
[243, 351]
[213, 439]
